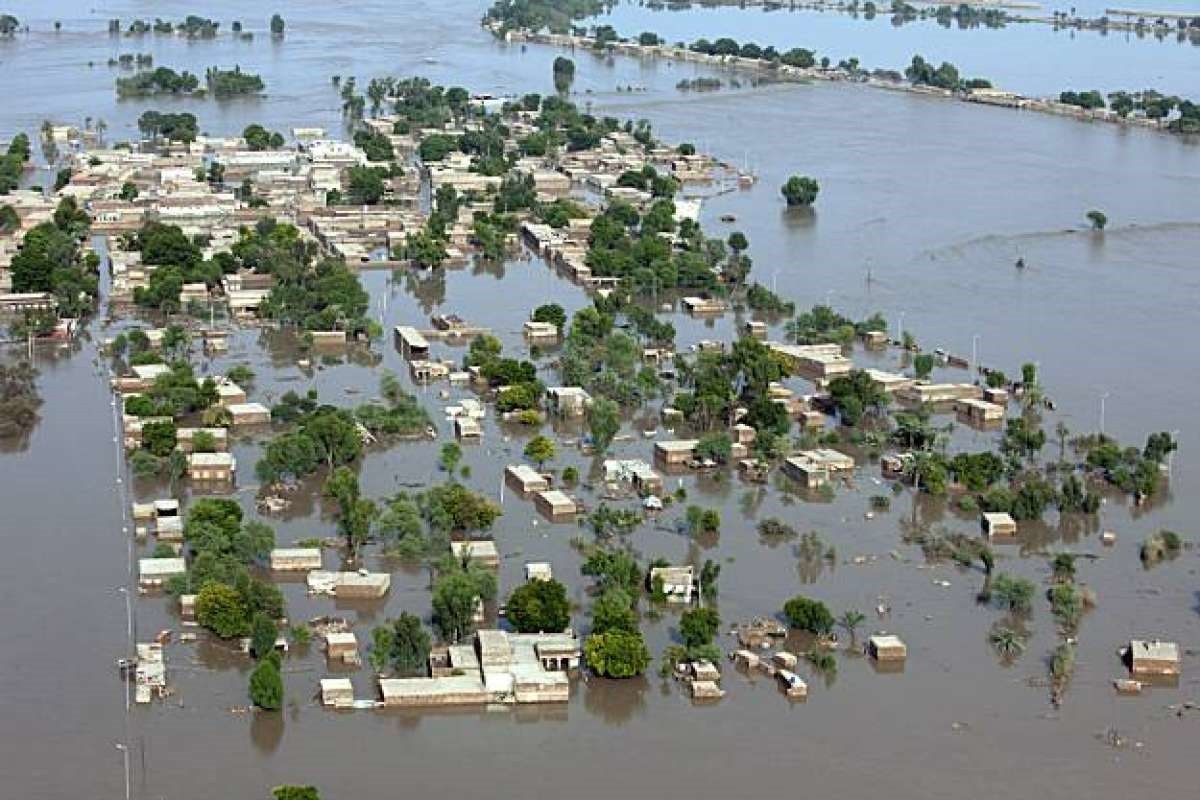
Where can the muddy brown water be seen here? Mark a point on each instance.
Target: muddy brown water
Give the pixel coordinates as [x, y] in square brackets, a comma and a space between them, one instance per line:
[937, 201]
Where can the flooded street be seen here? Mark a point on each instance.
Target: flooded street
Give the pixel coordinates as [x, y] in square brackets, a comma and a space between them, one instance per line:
[925, 206]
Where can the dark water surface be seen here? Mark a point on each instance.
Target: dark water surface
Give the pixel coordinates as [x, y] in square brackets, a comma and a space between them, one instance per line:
[936, 200]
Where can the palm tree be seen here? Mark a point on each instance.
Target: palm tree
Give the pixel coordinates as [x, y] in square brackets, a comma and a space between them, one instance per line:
[1007, 642]
[850, 620]
[1062, 432]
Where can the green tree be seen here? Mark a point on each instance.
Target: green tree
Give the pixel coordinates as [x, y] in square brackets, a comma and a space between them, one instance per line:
[808, 615]
[401, 647]
[159, 438]
[295, 793]
[552, 313]
[450, 457]
[1014, 593]
[800, 190]
[617, 654]
[613, 611]
[850, 621]
[354, 513]
[604, 421]
[539, 450]
[456, 594]
[698, 626]
[277, 25]
[266, 684]
[222, 610]
[1097, 218]
[539, 606]
[263, 634]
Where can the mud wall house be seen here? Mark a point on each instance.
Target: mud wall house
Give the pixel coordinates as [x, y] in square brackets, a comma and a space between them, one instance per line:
[214, 467]
[341, 647]
[538, 571]
[413, 345]
[555, 505]
[997, 525]
[525, 480]
[703, 306]
[229, 393]
[808, 473]
[885, 647]
[568, 401]
[482, 552]
[154, 572]
[979, 412]
[678, 583]
[540, 331]
[939, 392]
[295, 559]
[996, 396]
[1153, 657]
[889, 382]
[246, 303]
[675, 452]
[249, 414]
[337, 692]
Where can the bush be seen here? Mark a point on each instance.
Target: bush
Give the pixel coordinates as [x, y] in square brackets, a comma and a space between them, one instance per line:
[262, 636]
[222, 610]
[808, 615]
[266, 684]
[698, 626]
[617, 654]
[539, 606]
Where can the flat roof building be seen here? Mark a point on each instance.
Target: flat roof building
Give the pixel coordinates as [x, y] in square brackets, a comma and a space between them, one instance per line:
[525, 479]
[1153, 657]
[478, 551]
[555, 506]
[997, 524]
[212, 467]
[298, 559]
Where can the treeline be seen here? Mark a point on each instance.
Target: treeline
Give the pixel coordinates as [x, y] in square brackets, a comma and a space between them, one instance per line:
[232, 82]
[1149, 103]
[534, 15]
[162, 80]
[181, 127]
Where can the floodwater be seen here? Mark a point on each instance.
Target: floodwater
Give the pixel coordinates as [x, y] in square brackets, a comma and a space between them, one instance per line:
[934, 201]
[1031, 58]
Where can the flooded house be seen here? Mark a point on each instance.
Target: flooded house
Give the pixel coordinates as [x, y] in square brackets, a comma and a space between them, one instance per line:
[496, 667]
[814, 468]
[637, 473]
[995, 396]
[154, 572]
[889, 382]
[482, 552]
[1153, 657]
[337, 692]
[525, 479]
[467, 428]
[150, 672]
[538, 571]
[979, 412]
[229, 393]
[939, 392]
[412, 343]
[675, 452]
[568, 401]
[885, 647]
[791, 684]
[555, 505]
[295, 559]
[757, 330]
[998, 525]
[361, 585]
[677, 583]
[540, 331]
[215, 467]
[341, 647]
[704, 306]
[249, 414]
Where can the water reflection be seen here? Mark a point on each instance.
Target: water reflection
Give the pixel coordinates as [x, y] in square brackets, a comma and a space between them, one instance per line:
[266, 731]
[615, 701]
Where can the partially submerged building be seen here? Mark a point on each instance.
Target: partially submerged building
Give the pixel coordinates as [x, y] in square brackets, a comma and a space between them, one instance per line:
[885, 647]
[361, 585]
[295, 559]
[154, 572]
[555, 505]
[1153, 657]
[497, 667]
[477, 551]
[678, 584]
[568, 401]
[215, 467]
[813, 468]
[525, 479]
[998, 524]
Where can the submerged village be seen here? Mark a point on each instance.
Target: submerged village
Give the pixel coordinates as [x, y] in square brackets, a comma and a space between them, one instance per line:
[191, 264]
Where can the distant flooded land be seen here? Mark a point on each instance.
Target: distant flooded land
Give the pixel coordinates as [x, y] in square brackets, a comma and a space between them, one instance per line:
[629, 398]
